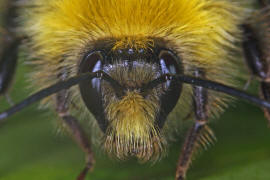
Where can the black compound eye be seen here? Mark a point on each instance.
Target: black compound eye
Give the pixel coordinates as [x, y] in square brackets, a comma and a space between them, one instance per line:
[90, 89]
[168, 62]
[92, 62]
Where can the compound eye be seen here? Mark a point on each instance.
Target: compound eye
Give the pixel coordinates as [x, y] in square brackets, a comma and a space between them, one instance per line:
[92, 62]
[91, 89]
[168, 62]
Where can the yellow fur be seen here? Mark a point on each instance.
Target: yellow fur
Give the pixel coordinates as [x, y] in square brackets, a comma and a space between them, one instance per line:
[200, 29]
[132, 130]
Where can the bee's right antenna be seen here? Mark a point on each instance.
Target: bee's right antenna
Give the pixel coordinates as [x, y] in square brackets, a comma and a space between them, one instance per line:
[56, 88]
[208, 85]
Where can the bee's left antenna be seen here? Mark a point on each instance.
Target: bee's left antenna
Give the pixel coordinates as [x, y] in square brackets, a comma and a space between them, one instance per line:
[215, 86]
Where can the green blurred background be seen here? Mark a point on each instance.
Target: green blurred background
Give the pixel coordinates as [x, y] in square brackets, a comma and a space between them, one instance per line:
[31, 148]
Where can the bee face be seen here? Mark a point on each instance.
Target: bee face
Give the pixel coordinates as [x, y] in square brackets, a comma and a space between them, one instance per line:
[131, 118]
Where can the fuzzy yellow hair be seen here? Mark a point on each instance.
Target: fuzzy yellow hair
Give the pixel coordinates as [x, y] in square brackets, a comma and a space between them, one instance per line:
[198, 29]
[201, 32]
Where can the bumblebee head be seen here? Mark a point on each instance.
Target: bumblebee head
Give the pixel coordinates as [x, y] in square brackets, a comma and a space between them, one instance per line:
[131, 118]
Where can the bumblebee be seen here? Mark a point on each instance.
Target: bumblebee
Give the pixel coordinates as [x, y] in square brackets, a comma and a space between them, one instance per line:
[141, 67]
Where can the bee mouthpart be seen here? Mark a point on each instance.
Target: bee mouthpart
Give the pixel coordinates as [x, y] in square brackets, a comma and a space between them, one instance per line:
[151, 148]
[132, 129]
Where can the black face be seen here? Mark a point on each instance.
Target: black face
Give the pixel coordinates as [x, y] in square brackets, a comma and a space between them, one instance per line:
[165, 61]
